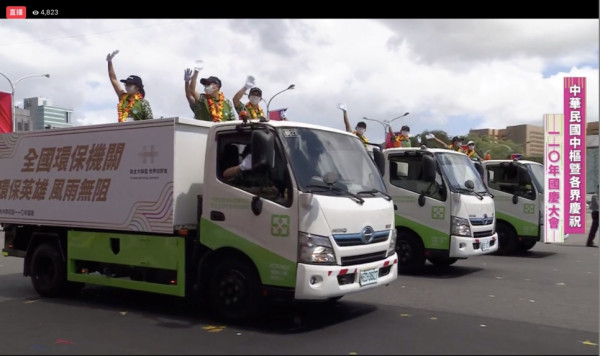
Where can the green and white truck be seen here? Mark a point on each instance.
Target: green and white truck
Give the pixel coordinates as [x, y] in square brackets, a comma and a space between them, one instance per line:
[518, 189]
[144, 206]
[444, 212]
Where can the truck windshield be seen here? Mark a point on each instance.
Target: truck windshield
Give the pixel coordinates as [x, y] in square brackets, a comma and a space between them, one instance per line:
[324, 158]
[459, 169]
[537, 176]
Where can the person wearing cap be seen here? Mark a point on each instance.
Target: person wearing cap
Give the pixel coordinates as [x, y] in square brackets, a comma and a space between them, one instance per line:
[132, 100]
[212, 104]
[456, 144]
[360, 128]
[251, 109]
[399, 139]
[471, 151]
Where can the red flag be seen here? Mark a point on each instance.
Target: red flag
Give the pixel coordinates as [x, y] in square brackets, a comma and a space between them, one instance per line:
[5, 113]
[278, 114]
[388, 140]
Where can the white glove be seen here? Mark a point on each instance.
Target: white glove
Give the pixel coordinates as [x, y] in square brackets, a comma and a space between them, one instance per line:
[429, 136]
[342, 106]
[187, 76]
[110, 56]
[246, 163]
[199, 65]
[249, 82]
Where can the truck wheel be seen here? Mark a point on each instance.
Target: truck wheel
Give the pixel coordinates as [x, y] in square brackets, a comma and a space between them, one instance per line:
[49, 273]
[411, 253]
[526, 245]
[507, 239]
[442, 261]
[234, 291]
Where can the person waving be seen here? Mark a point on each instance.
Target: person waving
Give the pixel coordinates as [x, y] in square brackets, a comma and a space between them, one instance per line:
[132, 100]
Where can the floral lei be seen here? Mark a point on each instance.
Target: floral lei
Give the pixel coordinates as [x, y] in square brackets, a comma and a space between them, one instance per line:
[253, 113]
[124, 108]
[216, 111]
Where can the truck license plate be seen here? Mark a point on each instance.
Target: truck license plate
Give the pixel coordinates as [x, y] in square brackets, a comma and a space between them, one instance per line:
[485, 245]
[369, 276]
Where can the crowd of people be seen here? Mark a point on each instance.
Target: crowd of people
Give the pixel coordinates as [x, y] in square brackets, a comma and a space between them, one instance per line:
[212, 105]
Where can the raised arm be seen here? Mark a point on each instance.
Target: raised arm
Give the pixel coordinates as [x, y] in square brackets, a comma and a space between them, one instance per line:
[440, 142]
[187, 78]
[344, 109]
[112, 76]
[192, 87]
[237, 98]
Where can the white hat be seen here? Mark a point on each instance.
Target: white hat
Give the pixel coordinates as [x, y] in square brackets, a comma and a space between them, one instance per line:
[470, 143]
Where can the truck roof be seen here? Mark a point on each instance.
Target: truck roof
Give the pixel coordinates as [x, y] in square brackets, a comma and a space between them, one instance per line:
[274, 123]
[433, 150]
[510, 160]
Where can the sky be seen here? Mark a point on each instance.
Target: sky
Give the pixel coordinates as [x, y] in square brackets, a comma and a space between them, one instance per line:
[449, 74]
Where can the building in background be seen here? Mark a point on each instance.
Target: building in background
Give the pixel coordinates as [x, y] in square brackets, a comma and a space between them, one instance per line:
[39, 114]
[529, 138]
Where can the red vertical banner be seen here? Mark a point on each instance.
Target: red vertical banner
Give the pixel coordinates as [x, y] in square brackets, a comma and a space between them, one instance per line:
[6, 121]
[574, 155]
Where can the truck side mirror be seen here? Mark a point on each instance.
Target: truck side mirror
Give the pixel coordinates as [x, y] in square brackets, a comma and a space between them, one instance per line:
[263, 146]
[429, 168]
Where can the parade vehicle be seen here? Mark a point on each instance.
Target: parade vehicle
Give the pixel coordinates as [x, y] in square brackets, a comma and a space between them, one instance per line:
[444, 212]
[144, 206]
[518, 190]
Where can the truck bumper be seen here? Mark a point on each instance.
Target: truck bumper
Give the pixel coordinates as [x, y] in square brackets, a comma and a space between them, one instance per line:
[323, 282]
[464, 247]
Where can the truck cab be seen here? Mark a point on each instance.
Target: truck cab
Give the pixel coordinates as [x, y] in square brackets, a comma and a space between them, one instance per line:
[443, 211]
[518, 190]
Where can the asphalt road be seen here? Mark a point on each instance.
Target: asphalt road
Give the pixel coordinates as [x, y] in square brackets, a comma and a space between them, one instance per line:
[542, 302]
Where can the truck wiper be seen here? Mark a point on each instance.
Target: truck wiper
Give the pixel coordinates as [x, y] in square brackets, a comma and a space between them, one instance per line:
[331, 188]
[469, 191]
[375, 191]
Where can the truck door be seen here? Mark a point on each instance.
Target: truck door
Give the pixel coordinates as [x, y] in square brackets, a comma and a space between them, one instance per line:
[428, 216]
[253, 211]
[515, 197]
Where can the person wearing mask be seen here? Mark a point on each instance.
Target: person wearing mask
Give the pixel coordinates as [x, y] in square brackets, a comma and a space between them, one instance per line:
[212, 104]
[400, 139]
[132, 104]
[594, 227]
[455, 145]
[251, 109]
[360, 128]
[471, 151]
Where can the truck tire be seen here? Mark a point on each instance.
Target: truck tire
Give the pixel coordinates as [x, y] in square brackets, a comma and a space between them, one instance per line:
[49, 273]
[526, 245]
[442, 261]
[507, 239]
[411, 253]
[234, 290]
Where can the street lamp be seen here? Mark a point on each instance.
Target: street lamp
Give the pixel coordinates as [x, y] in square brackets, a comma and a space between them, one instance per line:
[292, 86]
[386, 123]
[12, 94]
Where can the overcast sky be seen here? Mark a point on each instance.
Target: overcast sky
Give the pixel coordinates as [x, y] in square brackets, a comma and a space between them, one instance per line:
[450, 74]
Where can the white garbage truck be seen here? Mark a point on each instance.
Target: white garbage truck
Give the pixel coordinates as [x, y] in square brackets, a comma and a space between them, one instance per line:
[518, 189]
[145, 206]
[444, 212]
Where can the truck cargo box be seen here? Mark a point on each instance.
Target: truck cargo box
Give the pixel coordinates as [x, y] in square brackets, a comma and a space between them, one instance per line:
[134, 176]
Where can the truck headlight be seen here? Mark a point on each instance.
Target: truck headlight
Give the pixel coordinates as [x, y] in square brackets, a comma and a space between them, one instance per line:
[392, 246]
[315, 249]
[460, 226]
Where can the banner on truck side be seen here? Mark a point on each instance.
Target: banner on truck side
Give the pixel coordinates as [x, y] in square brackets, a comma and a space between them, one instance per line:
[97, 176]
